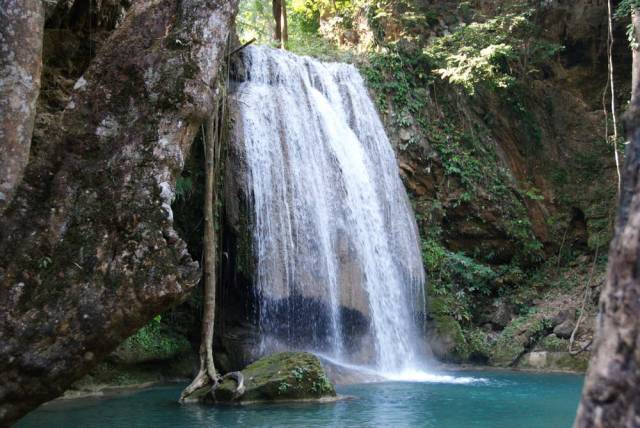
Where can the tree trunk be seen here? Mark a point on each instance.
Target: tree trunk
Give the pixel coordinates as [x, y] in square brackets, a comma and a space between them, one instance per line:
[612, 387]
[284, 25]
[635, 77]
[277, 17]
[88, 253]
[21, 31]
[207, 378]
[215, 139]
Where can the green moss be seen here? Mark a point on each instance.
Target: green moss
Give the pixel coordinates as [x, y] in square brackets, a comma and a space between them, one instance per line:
[519, 336]
[447, 326]
[578, 363]
[282, 376]
[552, 343]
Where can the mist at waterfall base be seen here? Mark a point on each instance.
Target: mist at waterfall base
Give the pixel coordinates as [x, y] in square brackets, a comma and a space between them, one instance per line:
[339, 269]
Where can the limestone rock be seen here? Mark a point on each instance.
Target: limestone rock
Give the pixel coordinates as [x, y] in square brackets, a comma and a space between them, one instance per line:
[554, 361]
[88, 253]
[21, 30]
[283, 376]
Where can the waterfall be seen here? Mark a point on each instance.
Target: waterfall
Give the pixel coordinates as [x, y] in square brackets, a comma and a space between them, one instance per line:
[338, 262]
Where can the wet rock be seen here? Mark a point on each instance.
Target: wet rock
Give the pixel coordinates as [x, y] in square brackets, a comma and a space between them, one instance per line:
[446, 338]
[564, 329]
[284, 376]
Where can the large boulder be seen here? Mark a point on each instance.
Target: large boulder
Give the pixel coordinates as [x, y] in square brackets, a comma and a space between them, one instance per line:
[518, 338]
[564, 329]
[283, 376]
[446, 338]
[88, 251]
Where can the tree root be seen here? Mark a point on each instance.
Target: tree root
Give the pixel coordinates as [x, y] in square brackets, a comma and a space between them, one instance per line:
[201, 385]
[238, 377]
[204, 384]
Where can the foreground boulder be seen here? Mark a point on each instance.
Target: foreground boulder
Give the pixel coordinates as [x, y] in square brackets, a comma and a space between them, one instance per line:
[88, 252]
[284, 376]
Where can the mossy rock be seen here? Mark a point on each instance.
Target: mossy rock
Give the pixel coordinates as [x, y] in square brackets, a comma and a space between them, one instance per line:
[285, 376]
[568, 362]
[447, 339]
[552, 343]
[519, 336]
[507, 349]
[555, 361]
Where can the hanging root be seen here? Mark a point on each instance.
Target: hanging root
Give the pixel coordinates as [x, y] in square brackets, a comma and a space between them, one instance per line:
[238, 377]
[214, 133]
[587, 293]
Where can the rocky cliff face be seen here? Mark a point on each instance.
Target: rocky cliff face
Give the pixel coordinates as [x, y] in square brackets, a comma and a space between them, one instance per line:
[514, 190]
[88, 253]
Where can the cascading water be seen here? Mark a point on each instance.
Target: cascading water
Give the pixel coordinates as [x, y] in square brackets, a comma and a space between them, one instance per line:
[339, 268]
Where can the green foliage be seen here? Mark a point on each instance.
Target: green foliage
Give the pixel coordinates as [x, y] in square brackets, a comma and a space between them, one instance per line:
[400, 81]
[45, 262]
[553, 343]
[184, 187]
[478, 346]
[299, 373]
[255, 21]
[322, 385]
[625, 7]
[521, 229]
[397, 77]
[623, 11]
[493, 53]
[459, 154]
[306, 15]
[283, 387]
[457, 280]
[153, 341]
[534, 194]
